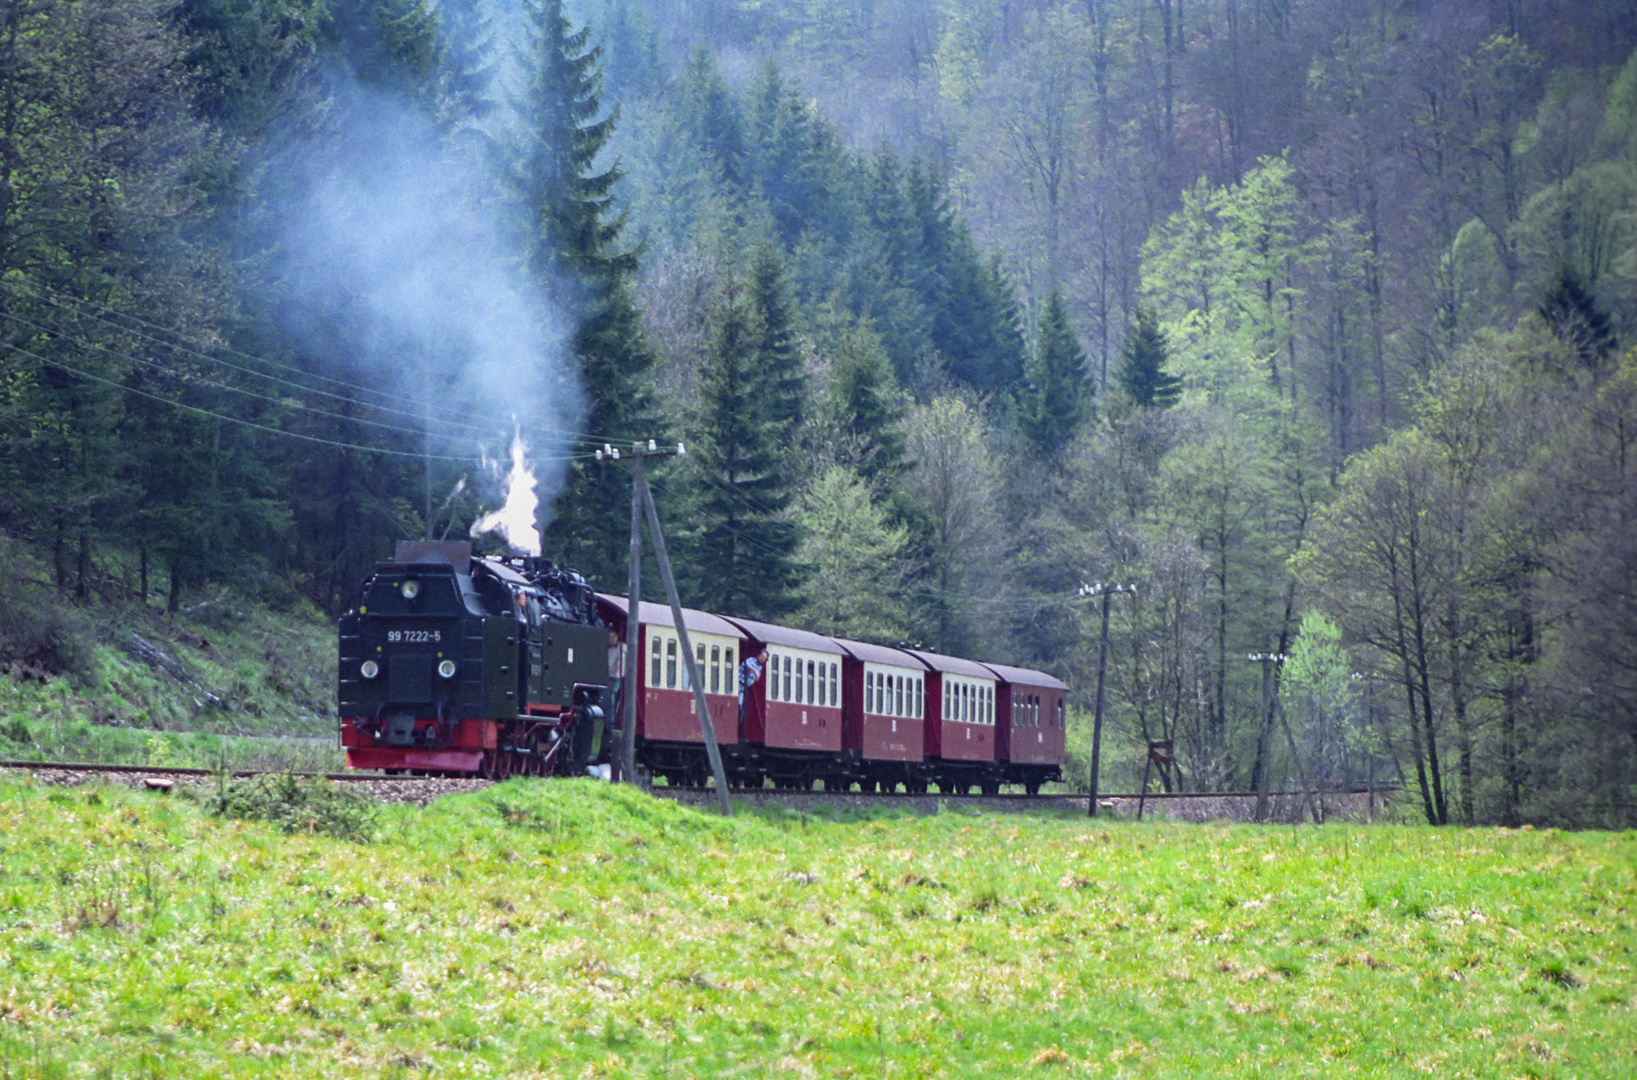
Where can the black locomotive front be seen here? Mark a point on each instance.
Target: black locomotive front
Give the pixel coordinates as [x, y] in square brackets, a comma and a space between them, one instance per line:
[463, 664]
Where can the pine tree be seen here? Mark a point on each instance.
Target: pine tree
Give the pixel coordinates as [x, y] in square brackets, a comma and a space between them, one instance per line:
[865, 401]
[1058, 399]
[574, 254]
[573, 232]
[1574, 317]
[391, 45]
[1142, 373]
[778, 362]
[466, 65]
[743, 551]
[713, 120]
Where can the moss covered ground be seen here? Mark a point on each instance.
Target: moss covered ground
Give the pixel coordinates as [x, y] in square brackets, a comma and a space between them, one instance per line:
[572, 929]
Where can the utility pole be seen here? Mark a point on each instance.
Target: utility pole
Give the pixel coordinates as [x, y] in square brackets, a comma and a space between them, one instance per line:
[1105, 591]
[642, 504]
[1265, 736]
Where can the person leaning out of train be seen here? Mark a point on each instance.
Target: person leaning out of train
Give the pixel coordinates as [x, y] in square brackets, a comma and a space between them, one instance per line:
[616, 675]
[749, 672]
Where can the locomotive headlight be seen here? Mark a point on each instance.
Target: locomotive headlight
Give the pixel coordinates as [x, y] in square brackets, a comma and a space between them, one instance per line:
[411, 589]
[447, 669]
[369, 669]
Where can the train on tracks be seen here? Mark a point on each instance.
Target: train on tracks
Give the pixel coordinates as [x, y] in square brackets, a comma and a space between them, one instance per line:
[456, 663]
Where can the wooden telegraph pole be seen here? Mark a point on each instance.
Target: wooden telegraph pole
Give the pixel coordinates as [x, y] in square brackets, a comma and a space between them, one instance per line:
[1105, 591]
[1264, 738]
[642, 504]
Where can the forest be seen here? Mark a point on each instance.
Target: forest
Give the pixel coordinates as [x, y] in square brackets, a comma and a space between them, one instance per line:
[1311, 320]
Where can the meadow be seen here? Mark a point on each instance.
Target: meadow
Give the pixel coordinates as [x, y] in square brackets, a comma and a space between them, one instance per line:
[573, 929]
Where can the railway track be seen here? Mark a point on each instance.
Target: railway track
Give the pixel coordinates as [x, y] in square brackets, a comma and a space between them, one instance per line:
[182, 772]
[1183, 806]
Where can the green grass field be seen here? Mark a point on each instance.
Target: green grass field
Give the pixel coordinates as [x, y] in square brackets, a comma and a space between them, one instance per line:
[571, 929]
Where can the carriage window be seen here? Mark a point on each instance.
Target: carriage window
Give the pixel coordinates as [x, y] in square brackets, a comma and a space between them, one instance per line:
[869, 691]
[920, 695]
[835, 685]
[729, 672]
[716, 669]
[1060, 713]
[670, 663]
[811, 700]
[799, 698]
[786, 695]
[653, 677]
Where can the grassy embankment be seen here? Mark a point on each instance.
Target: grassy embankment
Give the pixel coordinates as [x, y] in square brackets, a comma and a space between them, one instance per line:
[109, 678]
[572, 929]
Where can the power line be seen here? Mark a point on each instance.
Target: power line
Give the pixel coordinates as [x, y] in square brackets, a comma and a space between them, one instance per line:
[188, 350]
[192, 348]
[205, 380]
[250, 423]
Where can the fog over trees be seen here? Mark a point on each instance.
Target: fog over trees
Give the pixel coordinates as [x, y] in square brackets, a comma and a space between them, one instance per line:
[1313, 319]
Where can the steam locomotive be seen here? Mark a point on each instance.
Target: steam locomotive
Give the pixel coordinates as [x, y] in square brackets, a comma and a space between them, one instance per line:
[494, 666]
[456, 663]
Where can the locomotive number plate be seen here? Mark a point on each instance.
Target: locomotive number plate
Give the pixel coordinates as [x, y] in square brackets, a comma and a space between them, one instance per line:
[414, 637]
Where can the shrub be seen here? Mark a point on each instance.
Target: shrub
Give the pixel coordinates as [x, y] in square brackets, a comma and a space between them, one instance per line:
[45, 637]
[297, 804]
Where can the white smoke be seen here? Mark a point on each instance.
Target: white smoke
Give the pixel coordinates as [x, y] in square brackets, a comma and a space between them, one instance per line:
[514, 521]
[398, 270]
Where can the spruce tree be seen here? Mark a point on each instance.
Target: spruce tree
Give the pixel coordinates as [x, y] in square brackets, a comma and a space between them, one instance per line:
[713, 120]
[1142, 373]
[865, 400]
[574, 253]
[1058, 398]
[743, 551]
[1574, 317]
[778, 362]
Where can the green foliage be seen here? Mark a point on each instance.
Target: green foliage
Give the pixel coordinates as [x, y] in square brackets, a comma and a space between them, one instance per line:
[298, 804]
[858, 561]
[42, 637]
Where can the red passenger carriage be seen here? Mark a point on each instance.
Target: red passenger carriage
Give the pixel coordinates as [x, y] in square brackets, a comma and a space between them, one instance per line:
[961, 743]
[793, 714]
[884, 716]
[1030, 723]
[669, 733]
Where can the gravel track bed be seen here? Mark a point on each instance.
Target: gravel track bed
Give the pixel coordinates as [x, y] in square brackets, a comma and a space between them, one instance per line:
[415, 792]
[420, 791]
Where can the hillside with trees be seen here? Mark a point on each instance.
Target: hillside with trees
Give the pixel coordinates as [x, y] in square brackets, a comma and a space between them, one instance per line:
[1314, 320]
